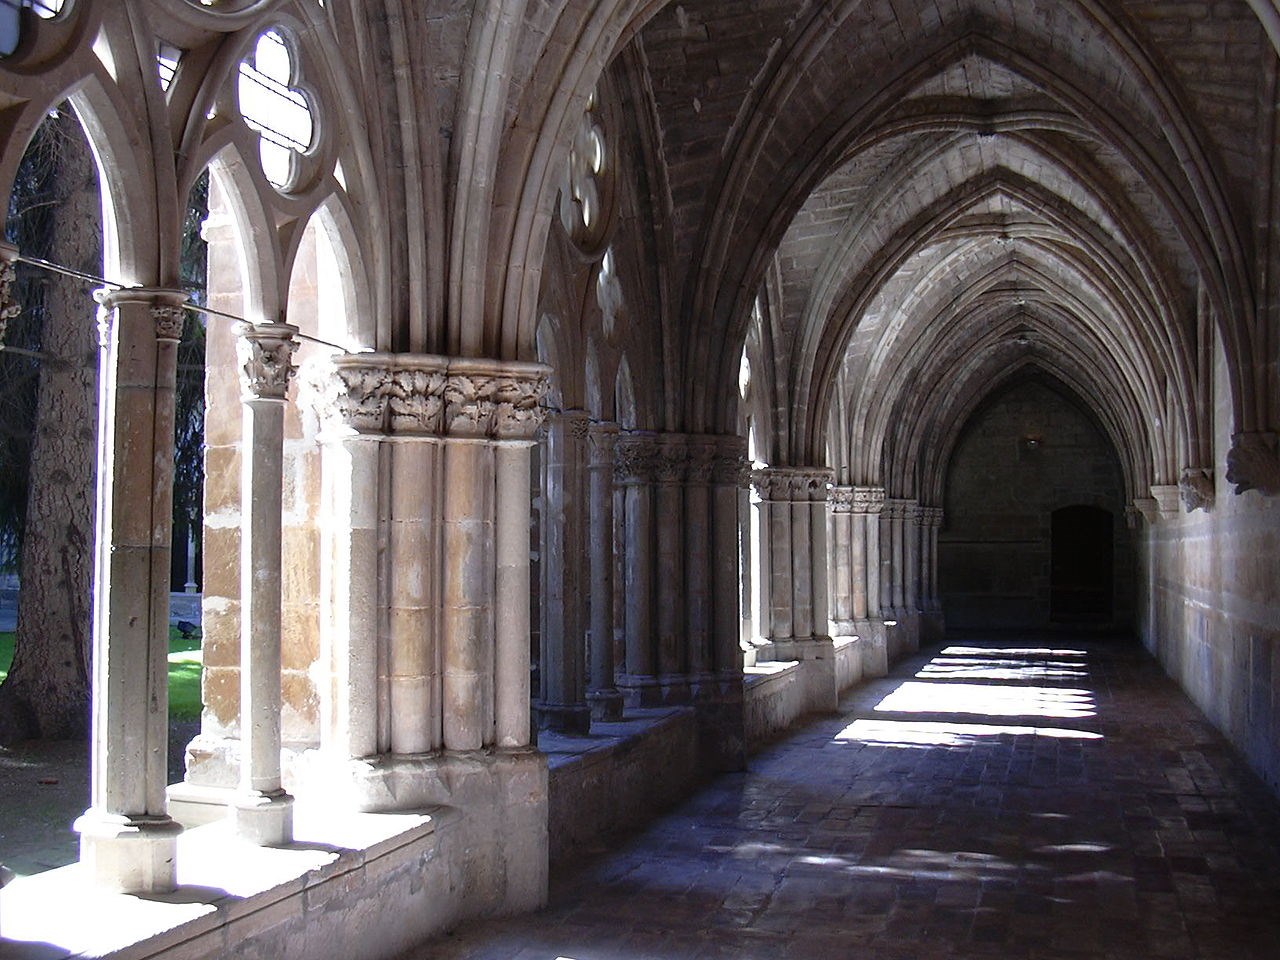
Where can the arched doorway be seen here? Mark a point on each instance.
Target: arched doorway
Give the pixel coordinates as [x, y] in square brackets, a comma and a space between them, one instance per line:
[1080, 577]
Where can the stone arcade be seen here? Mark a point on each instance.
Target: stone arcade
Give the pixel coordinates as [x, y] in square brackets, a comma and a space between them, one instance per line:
[642, 369]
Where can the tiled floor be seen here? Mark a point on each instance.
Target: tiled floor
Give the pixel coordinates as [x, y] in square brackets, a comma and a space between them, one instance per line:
[996, 799]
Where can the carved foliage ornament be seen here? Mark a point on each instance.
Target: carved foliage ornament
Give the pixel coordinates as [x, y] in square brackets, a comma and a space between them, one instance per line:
[841, 499]
[265, 352]
[1254, 463]
[169, 321]
[8, 307]
[634, 458]
[379, 395]
[1195, 486]
[868, 499]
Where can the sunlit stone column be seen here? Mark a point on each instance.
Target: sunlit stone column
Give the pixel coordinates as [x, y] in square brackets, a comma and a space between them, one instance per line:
[127, 839]
[602, 694]
[633, 472]
[670, 589]
[517, 417]
[897, 511]
[820, 553]
[846, 565]
[730, 475]
[562, 703]
[351, 396]
[415, 402]
[802, 611]
[262, 811]
[774, 490]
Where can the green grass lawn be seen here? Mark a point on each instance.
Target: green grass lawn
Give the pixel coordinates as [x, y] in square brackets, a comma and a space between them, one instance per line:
[184, 672]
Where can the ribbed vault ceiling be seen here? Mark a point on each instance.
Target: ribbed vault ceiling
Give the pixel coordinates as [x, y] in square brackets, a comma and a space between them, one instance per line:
[931, 199]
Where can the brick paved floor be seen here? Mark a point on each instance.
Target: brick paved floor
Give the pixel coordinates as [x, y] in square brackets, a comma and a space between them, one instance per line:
[996, 799]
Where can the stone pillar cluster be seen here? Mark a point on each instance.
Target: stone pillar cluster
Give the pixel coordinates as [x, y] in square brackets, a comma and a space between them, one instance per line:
[795, 564]
[681, 622]
[855, 571]
[446, 554]
[931, 597]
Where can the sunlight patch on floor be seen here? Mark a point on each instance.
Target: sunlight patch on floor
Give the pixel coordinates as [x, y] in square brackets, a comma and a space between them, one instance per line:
[924, 733]
[997, 700]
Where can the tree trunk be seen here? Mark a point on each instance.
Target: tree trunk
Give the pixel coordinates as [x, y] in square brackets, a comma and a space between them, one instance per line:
[47, 691]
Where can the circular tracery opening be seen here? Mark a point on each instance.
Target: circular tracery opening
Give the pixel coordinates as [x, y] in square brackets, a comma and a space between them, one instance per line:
[272, 105]
[11, 19]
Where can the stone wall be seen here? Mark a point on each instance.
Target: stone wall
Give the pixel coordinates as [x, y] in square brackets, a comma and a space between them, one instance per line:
[1030, 452]
[1208, 611]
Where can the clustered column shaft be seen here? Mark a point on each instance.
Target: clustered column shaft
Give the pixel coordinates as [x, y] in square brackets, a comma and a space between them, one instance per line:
[455, 569]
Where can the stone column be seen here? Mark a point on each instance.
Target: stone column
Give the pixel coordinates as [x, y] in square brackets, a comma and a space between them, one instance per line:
[351, 395]
[720, 698]
[633, 472]
[911, 556]
[127, 839]
[262, 811]
[701, 453]
[868, 502]
[602, 693]
[774, 491]
[820, 553]
[562, 704]
[730, 475]
[413, 459]
[517, 418]
[846, 564]
[897, 511]
[671, 466]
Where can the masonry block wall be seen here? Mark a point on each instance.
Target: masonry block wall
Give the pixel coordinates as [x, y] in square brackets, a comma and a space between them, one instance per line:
[1208, 606]
[1031, 452]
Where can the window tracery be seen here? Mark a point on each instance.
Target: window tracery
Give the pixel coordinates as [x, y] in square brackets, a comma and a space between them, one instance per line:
[273, 105]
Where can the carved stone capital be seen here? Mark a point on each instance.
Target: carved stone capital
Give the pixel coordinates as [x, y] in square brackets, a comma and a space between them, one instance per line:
[413, 398]
[164, 305]
[1253, 463]
[1148, 508]
[1166, 496]
[793, 484]
[671, 463]
[1195, 486]
[265, 353]
[634, 455]
[602, 438]
[170, 320]
[9, 308]
[702, 456]
[868, 499]
[841, 499]
[486, 398]
[895, 508]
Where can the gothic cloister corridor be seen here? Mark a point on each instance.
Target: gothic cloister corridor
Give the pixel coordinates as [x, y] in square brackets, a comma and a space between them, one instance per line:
[1020, 797]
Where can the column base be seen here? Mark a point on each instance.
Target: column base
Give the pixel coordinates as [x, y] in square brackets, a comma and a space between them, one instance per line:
[640, 690]
[571, 718]
[675, 689]
[265, 819]
[606, 705]
[817, 658]
[129, 854]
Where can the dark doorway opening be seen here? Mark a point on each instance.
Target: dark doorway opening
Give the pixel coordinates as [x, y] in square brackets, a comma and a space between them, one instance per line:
[1080, 573]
